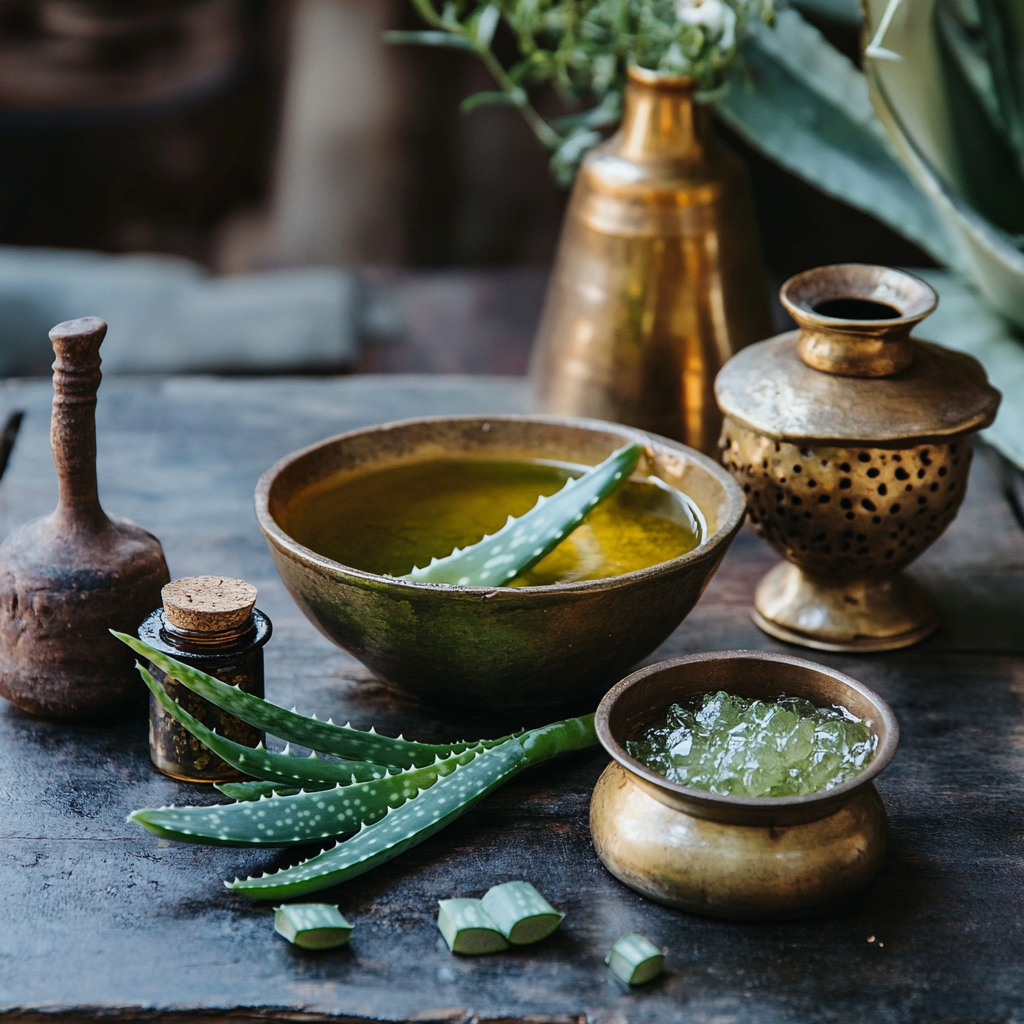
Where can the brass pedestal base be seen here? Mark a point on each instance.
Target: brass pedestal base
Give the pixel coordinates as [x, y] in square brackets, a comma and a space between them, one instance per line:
[858, 615]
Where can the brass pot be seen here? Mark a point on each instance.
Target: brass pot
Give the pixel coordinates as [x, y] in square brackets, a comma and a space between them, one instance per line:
[658, 278]
[852, 441]
[727, 856]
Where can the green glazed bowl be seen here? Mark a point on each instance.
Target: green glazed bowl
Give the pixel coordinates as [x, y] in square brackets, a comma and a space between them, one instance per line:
[504, 649]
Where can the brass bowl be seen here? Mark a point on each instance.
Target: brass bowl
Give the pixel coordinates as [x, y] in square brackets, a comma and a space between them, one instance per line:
[728, 856]
[502, 649]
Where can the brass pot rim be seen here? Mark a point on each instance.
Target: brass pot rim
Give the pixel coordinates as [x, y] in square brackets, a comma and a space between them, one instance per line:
[729, 525]
[715, 805]
[650, 77]
[799, 293]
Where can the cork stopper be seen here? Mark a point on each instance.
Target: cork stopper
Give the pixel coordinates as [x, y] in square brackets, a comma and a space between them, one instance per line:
[208, 604]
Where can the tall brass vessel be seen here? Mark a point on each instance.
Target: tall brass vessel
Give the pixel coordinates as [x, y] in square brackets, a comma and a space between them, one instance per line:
[658, 278]
[852, 440]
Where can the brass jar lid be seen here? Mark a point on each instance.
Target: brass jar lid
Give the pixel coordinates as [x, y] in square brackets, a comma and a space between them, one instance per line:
[853, 373]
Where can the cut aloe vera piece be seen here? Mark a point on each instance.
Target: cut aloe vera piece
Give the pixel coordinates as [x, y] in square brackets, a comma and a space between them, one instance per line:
[467, 928]
[521, 543]
[312, 925]
[522, 915]
[635, 960]
[326, 737]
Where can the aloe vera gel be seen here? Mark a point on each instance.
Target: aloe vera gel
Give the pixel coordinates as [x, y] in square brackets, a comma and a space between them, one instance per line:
[764, 748]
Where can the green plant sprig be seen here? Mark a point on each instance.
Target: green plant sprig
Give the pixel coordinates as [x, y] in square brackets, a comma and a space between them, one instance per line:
[583, 48]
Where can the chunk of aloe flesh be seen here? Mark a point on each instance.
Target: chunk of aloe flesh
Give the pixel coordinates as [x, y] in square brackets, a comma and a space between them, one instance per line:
[521, 913]
[312, 925]
[635, 960]
[467, 928]
[521, 543]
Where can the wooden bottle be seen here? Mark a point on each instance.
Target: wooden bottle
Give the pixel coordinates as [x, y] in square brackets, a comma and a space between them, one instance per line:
[68, 578]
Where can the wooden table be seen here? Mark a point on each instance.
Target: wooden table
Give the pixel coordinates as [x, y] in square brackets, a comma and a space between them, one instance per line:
[102, 919]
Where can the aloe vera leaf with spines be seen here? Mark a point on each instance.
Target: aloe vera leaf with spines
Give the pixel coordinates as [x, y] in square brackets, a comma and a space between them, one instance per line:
[264, 764]
[325, 737]
[261, 787]
[521, 543]
[301, 818]
[425, 814]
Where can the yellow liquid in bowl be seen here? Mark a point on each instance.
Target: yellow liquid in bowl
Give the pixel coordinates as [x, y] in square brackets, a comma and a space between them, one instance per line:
[389, 521]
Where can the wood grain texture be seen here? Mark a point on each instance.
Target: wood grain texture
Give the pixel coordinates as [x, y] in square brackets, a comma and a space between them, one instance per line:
[104, 919]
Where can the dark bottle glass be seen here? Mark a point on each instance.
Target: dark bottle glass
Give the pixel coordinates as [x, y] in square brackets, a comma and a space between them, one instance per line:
[210, 623]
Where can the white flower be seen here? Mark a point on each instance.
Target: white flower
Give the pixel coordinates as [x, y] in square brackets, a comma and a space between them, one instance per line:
[714, 15]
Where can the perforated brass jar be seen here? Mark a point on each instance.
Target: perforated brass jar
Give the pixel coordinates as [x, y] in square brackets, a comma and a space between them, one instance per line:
[210, 623]
[852, 441]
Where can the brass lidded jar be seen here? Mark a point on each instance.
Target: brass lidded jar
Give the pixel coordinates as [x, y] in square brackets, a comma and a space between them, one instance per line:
[658, 278]
[852, 440]
[728, 856]
[210, 623]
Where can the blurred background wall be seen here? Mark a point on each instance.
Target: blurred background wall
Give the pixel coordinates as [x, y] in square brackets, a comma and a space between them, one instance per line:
[255, 135]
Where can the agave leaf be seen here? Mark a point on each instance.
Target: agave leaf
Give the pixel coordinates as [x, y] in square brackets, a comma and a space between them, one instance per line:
[808, 110]
[964, 321]
[339, 740]
[521, 543]
[911, 98]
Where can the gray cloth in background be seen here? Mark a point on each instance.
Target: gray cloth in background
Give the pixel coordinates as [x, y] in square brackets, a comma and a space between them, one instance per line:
[167, 315]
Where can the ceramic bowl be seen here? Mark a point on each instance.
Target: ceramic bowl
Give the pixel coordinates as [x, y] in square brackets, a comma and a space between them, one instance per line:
[728, 856]
[496, 649]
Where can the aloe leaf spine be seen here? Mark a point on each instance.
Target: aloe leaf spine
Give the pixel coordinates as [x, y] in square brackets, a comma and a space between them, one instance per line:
[425, 814]
[300, 818]
[521, 543]
[284, 768]
[325, 737]
[260, 788]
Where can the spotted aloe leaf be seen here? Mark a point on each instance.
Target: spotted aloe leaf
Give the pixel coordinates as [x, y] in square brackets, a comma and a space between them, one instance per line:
[261, 788]
[300, 818]
[285, 767]
[424, 814]
[521, 543]
[326, 737]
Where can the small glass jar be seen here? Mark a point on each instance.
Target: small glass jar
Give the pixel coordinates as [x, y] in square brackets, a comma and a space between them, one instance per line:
[209, 623]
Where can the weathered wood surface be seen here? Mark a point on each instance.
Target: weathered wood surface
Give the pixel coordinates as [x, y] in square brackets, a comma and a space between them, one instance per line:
[101, 918]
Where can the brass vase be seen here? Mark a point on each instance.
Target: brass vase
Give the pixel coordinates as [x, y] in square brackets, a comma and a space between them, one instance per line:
[658, 278]
[852, 441]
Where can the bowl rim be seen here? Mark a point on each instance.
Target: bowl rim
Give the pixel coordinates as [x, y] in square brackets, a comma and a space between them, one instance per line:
[883, 755]
[731, 523]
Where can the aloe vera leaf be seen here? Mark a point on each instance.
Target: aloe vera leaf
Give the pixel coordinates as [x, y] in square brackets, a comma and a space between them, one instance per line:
[326, 737]
[521, 914]
[425, 814]
[262, 763]
[399, 830]
[260, 788]
[521, 543]
[302, 818]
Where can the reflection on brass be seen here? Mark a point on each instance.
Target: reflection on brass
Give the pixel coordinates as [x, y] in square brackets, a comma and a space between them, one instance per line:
[658, 279]
[850, 469]
[726, 856]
